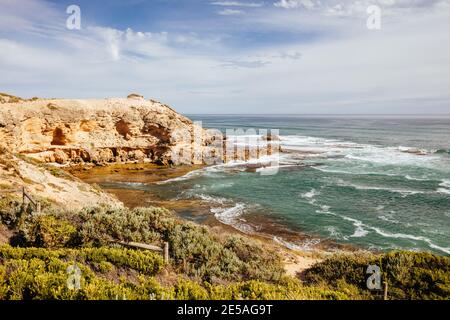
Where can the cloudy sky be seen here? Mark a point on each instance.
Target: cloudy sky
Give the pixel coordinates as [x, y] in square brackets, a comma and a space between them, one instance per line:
[206, 56]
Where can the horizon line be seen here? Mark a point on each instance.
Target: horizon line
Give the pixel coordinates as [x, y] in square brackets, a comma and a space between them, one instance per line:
[319, 114]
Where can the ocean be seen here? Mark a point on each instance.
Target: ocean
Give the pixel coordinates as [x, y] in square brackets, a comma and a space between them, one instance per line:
[376, 183]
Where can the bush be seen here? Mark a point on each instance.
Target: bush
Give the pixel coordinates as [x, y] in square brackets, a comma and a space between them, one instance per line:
[38, 273]
[48, 232]
[193, 248]
[145, 262]
[288, 289]
[10, 212]
[259, 262]
[200, 255]
[410, 275]
[195, 251]
[101, 226]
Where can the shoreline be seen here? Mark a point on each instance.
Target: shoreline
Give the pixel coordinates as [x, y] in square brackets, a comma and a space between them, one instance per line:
[296, 259]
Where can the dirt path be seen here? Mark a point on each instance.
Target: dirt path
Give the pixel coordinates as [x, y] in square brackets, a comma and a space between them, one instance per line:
[295, 263]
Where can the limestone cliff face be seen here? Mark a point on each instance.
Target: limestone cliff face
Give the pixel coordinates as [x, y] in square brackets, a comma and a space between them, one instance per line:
[53, 186]
[98, 131]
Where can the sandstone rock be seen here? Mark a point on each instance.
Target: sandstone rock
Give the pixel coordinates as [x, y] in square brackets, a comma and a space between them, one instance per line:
[64, 191]
[100, 131]
[60, 156]
[97, 131]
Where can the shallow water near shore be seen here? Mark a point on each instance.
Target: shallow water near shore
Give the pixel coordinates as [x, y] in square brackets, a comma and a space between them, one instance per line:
[378, 184]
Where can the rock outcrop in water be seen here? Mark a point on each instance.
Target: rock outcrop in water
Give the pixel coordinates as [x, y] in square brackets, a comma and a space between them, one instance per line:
[97, 131]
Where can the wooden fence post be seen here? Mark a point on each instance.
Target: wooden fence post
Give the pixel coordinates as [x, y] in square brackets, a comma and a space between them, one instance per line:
[36, 204]
[166, 252]
[385, 290]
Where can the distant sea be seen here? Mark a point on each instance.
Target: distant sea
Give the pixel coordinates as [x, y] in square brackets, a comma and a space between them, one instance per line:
[378, 183]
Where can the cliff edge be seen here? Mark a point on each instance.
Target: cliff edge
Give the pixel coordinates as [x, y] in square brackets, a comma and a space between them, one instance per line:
[96, 130]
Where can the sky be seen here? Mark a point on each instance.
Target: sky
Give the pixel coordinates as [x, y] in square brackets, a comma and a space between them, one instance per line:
[222, 57]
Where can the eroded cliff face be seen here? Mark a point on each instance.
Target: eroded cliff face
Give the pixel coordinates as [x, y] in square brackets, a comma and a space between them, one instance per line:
[99, 131]
[63, 131]
[47, 184]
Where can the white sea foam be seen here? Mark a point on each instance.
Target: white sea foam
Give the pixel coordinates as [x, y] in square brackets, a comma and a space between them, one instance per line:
[228, 215]
[232, 216]
[306, 245]
[445, 184]
[360, 172]
[222, 185]
[227, 212]
[212, 199]
[388, 218]
[187, 176]
[403, 192]
[355, 156]
[408, 177]
[271, 168]
[387, 156]
[410, 237]
[324, 209]
[334, 232]
[362, 229]
[359, 232]
[310, 194]
[414, 150]
[443, 190]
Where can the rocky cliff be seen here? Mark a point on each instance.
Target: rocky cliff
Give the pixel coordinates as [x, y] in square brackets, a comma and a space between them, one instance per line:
[49, 185]
[97, 131]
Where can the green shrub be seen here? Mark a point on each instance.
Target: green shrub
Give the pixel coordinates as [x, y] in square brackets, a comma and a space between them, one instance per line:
[40, 273]
[101, 226]
[48, 232]
[188, 290]
[410, 275]
[258, 262]
[10, 212]
[194, 250]
[145, 262]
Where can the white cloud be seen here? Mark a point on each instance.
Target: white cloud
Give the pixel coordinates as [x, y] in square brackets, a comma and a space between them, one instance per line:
[245, 64]
[230, 12]
[28, 16]
[293, 4]
[355, 8]
[238, 4]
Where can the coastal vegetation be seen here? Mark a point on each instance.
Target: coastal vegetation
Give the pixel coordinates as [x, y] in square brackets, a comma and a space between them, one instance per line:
[203, 264]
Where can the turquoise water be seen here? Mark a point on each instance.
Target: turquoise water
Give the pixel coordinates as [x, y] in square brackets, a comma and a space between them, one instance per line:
[380, 183]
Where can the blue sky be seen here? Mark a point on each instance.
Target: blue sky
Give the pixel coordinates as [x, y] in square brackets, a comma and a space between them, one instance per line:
[206, 56]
